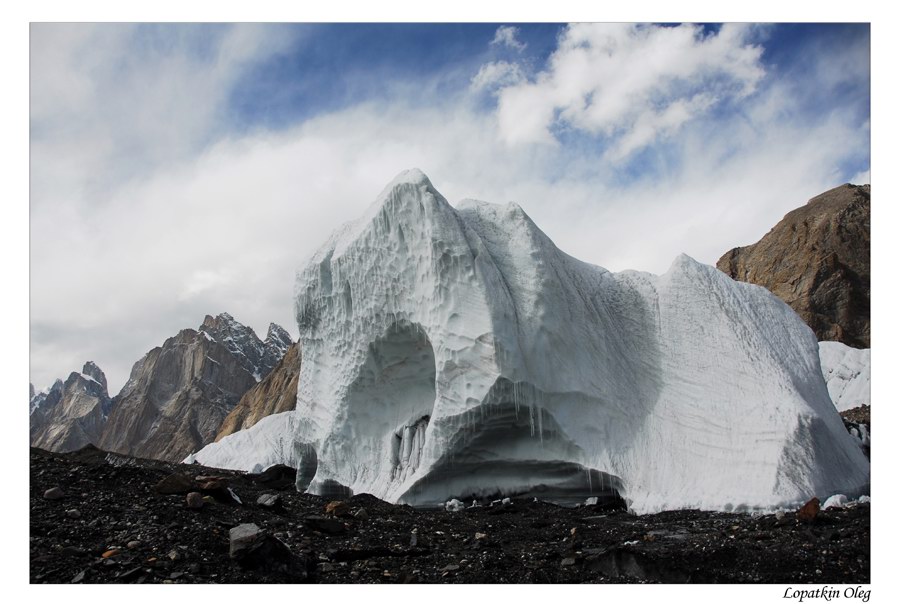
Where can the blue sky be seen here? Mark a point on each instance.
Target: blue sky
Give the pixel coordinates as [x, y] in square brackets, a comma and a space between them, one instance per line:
[178, 171]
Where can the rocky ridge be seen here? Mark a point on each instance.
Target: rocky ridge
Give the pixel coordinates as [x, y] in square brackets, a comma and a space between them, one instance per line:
[175, 400]
[276, 393]
[179, 393]
[816, 259]
[73, 413]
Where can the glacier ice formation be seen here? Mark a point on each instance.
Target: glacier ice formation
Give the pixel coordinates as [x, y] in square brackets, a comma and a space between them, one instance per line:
[848, 374]
[457, 352]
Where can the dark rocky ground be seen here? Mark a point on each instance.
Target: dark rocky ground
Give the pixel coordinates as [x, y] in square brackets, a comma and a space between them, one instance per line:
[111, 503]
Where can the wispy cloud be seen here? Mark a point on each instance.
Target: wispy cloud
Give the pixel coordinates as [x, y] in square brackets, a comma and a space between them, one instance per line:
[148, 212]
[507, 35]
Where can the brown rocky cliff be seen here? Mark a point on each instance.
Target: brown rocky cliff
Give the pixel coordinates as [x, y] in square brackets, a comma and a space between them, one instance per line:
[817, 260]
[276, 393]
[176, 398]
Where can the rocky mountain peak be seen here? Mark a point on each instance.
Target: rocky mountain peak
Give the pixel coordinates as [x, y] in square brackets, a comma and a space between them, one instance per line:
[816, 259]
[92, 371]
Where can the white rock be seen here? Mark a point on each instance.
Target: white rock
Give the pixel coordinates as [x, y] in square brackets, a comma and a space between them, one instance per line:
[458, 352]
[591, 501]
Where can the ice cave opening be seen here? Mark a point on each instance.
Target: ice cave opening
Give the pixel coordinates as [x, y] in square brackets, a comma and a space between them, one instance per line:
[393, 397]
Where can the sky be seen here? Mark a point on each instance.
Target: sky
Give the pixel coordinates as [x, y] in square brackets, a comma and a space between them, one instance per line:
[184, 170]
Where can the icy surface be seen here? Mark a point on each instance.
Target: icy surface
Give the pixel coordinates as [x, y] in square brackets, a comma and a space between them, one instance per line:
[457, 353]
[835, 501]
[848, 373]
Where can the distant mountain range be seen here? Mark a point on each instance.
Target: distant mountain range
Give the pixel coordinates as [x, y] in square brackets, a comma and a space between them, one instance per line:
[174, 402]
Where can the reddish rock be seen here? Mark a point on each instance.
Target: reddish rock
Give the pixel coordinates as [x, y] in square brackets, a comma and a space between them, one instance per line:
[337, 508]
[809, 511]
[817, 260]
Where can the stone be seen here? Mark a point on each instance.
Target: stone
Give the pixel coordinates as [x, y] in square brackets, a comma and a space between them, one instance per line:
[809, 511]
[54, 493]
[174, 484]
[73, 514]
[253, 548]
[243, 537]
[110, 553]
[591, 501]
[567, 562]
[361, 514]
[133, 544]
[269, 500]
[337, 508]
[194, 500]
[78, 578]
[480, 536]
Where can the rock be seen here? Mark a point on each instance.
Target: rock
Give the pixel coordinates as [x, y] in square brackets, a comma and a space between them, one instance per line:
[361, 514]
[323, 524]
[253, 548]
[817, 260]
[73, 514]
[276, 393]
[337, 508]
[110, 553]
[133, 544]
[278, 477]
[449, 568]
[480, 536]
[809, 511]
[194, 500]
[174, 484]
[242, 537]
[175, 555]
[591, 501]
[269, 500]
[78, 578]
[54, 493]
[567, 562]
[779, 514]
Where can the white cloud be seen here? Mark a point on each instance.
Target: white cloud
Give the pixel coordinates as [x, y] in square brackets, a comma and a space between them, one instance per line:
[630, 83]
[507, 35]
[496, 74]
[225, 226]
[862, 178]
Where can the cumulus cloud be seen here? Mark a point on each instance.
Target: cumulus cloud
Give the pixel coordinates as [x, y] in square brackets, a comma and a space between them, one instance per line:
[497, 74]
[630, 84]
[507, 35]
[225, 225]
